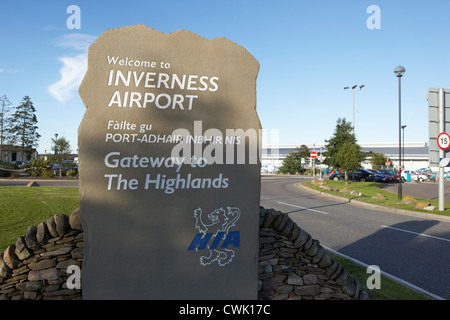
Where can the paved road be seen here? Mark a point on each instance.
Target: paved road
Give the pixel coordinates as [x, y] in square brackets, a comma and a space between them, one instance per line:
[414, 249]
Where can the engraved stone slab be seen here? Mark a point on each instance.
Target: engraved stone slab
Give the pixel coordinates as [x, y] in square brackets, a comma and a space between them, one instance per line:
[169, 167]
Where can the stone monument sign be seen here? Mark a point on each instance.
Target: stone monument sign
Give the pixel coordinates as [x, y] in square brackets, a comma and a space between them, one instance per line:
[169, 167]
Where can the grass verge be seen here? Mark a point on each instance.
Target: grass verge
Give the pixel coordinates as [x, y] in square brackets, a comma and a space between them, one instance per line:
[370, 189]
[22, 207]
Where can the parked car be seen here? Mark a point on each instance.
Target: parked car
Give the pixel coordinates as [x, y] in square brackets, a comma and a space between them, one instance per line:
[66, 167]
[361, 175]
[387, 177]
[378, 176]
[337, 176]
[426, 172]
[394, 176]
[415, 176]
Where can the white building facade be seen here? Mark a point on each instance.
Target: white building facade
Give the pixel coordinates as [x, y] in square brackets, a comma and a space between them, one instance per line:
[415, 155]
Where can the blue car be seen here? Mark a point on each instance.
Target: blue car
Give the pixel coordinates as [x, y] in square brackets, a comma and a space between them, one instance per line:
[378, 176]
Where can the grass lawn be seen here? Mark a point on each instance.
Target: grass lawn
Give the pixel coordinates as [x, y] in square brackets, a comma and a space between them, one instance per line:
[370, 189]
[22, 207]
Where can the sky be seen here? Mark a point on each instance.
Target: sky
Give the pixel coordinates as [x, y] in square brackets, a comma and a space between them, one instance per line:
[308, 52]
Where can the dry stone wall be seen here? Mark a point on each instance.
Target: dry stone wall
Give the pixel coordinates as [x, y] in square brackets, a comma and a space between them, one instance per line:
[292, 265]
[35, 267]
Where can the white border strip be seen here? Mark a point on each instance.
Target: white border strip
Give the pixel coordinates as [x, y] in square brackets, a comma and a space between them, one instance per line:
[420, 234]
[303, 208]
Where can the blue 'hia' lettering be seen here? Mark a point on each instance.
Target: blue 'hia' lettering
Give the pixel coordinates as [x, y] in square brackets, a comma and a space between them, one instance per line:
[201, 240]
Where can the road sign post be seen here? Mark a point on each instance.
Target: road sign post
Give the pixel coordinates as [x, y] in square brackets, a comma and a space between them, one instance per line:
[313, 155]
[439, 122]
[443, 141]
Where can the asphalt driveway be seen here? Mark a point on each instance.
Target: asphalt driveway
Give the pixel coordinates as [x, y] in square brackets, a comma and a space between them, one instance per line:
[425, 190]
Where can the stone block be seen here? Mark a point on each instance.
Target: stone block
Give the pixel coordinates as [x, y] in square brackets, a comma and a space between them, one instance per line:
[47, 274]
[42, 234]
[21, 250]
[62, 223]
[51, 225]
[10, 258]
[75, 220]
[30, 238]
[307, 290]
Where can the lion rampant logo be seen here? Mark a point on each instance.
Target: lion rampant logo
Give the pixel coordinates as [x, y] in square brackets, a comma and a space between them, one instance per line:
[213, 228]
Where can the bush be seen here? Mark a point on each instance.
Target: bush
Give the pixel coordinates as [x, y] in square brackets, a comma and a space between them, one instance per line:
[5, 173]
[7, 166]
[72, 173]
[46, 174]
[41, 165]
[15, 174]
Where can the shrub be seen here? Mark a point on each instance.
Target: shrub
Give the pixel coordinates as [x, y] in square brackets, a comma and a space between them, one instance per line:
[7, 166]
[41, 165]
[71, 173]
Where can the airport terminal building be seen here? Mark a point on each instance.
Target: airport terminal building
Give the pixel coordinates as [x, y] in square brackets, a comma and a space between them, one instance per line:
[414, 154]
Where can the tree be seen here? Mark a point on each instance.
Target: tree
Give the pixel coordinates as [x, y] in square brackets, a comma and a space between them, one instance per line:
[378, 160]
[303, 151]
[342, 134]
[349, 157]
[4, 110]
[22, 125]
[343, 153]
[61, 148]
[292, 163]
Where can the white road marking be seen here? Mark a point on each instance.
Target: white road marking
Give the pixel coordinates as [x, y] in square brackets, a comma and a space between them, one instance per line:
[420, 234]
[292, 205]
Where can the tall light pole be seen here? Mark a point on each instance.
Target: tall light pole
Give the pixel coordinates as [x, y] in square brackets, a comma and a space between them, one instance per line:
[403, 143]
[56, 143]
[353, 101]
[399, 71]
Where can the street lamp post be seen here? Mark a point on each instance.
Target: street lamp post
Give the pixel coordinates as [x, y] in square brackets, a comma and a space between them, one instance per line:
[403, 145]
[56, 143]
[353, 101]
[399, 71]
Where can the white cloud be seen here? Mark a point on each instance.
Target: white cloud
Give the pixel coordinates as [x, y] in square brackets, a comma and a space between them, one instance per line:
[72, 73]
[75, 41]
[8, 70]
[74, 67]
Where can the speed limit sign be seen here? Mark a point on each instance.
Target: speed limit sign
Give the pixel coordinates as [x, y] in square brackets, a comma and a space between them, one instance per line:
[443, 141]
